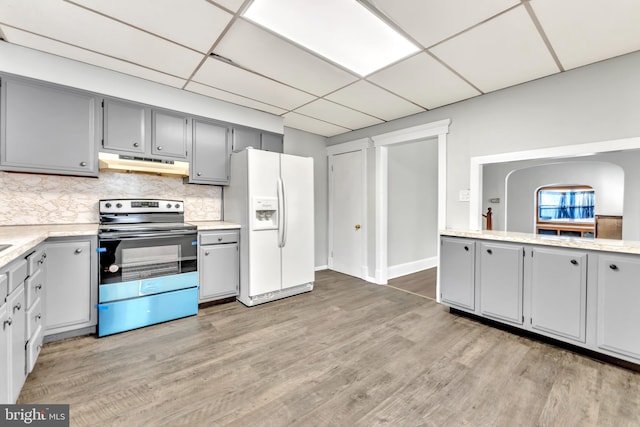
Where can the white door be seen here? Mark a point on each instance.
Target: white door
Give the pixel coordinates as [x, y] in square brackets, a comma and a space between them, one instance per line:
[347, 217]
[298, 251]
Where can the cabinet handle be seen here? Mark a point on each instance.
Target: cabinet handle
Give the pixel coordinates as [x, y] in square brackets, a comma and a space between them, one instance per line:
[466, 248]
[38, 316]
[135, 144]
[17, 307]
[7, 322]
[199, 174]
[219, 239]
[206, 253]
[83, 164]
[78, 251]
[489, 251]
[574, 262]
[38, 287]
[613, 266]
[159, 148]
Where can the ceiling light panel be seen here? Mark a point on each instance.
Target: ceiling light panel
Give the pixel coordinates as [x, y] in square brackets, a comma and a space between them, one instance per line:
[233, 98]
[308, 124]
[193, 23]
[221, 75]
[71, 24]
[502, 52]
[368, 98]
[425, 81]
[345, 32]
[254, 48]
[431, 21]
[23, 38]
[333, 113]
[582, 32]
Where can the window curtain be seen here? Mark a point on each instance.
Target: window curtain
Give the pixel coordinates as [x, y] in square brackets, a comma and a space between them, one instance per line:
[576, 205]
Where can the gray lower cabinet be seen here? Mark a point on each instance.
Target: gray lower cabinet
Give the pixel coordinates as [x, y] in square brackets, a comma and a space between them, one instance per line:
[218, 269]
[124, 127]
[457, 272]
[17, 325]
[48, 129]
[71, 291]
[618, 298]
[500, 280]
[210, 153]
[169, 134]
[559, 292]
[5, 331]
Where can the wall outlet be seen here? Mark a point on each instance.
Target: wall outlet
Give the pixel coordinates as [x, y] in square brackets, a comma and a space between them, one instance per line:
[464, 195]
[495, 200]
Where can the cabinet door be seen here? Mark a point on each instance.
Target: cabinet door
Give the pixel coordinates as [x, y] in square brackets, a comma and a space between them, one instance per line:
[210, 160]
[243, 138]
[457, 265]
[48, 129]
[559, 292]
[169, 134]
[16, 307]
[69, 298]
[124, 126]
[618, 298]
[5, 330]
[271, 142]
[219, 271]
[500, 281]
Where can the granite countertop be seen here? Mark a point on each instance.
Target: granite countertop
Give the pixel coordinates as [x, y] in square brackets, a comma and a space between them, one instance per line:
[25, 237]
[607, 245]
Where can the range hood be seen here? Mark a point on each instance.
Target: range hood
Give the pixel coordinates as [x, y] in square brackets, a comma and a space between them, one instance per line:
[120, 163]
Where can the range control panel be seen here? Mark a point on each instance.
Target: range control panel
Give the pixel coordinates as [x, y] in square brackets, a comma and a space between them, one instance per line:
[140, 206]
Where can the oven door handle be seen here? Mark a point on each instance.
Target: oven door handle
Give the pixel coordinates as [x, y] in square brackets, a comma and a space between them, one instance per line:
[131, 236]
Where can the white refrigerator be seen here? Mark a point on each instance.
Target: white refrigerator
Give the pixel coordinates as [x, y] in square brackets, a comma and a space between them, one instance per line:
[271, 196]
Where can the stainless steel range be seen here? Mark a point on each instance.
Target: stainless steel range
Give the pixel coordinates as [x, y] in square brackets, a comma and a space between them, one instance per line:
[148, 264]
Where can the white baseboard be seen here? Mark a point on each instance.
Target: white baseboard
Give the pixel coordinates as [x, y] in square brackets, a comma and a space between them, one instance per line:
[321, 267]
[412, 267]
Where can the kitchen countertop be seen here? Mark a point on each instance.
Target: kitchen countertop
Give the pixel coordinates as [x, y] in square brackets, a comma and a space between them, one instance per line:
[607, 245]
[25, 237]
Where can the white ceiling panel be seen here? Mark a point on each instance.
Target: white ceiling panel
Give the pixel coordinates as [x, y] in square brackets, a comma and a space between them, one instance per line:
[308, 124]
[582, 32]
[333, 113]
[233, 98]
[425, 81]
[232, 5]
[193, 23]
[499, 53]
[221, 75]
[251, 47]
[368, 98]
[23, 38]
[68, 23]
[431, 21]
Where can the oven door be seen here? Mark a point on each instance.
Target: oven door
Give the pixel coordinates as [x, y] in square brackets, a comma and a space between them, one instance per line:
[138, 257]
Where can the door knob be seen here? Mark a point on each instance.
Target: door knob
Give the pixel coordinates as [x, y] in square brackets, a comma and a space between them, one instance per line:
[357, 226]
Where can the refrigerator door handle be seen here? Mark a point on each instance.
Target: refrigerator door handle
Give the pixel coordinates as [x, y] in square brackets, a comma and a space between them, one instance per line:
[284, 213]
[280, 213]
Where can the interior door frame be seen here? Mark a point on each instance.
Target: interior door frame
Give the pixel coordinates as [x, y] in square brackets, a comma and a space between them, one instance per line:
[362, 145]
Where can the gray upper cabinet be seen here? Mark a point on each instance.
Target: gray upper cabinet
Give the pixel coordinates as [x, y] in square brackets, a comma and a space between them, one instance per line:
[271, 142]
[559, 292]
[243, 138]
[48, 129]
[169, 134]
[124, 126]
[500, 281]
[210, 159]
[457, 276]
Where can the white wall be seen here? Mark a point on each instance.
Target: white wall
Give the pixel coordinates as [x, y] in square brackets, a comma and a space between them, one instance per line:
[594, 103]
[412, 202]
[307, 144]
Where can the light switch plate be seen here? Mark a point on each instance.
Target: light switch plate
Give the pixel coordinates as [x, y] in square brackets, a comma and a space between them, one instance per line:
[464, 195]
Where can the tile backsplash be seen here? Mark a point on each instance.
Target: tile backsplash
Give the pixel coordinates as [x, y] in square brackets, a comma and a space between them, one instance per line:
[51, 199]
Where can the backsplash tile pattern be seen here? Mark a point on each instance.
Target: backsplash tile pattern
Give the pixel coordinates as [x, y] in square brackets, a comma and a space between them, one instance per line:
[51, 199]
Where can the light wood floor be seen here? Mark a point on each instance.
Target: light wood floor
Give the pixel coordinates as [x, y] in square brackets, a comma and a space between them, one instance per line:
[347, 354]
[422, 283]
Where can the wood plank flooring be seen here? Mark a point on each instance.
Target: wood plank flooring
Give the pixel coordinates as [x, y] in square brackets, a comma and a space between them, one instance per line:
[422, 283]
[349, 353]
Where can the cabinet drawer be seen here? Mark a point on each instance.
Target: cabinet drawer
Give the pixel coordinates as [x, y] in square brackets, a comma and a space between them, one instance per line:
[4, 288]
[34, 286]
[34, 318]
[219, 237]
[16, 274]
[34, 345]
[35, 261]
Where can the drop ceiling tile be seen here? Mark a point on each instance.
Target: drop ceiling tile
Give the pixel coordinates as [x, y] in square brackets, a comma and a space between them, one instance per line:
[337, 114]
[251, 47]
[193, 23]
[425, 81]
[71, 24]
[232, 5]
[308, 124]
[582, 32]
[32, 41]
[368, 98]
[431, 21]
[233, 98]
[223, 76]
[502, 52]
